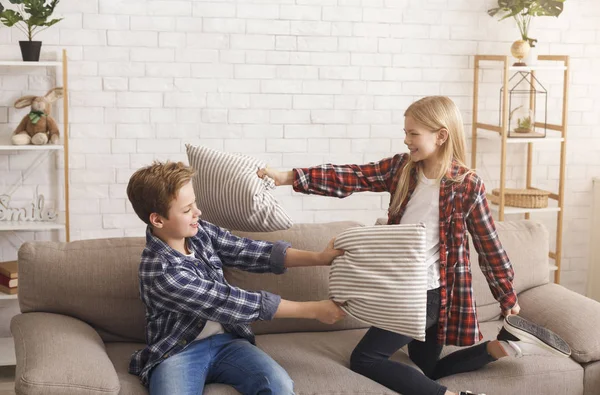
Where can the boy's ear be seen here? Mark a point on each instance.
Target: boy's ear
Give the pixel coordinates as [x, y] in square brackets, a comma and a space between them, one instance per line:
[156, 220]
[442, 136]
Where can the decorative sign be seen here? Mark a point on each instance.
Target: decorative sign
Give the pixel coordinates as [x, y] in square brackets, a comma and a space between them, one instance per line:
[35, 211]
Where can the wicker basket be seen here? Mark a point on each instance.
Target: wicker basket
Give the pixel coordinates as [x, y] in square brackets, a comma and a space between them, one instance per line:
[526, 198]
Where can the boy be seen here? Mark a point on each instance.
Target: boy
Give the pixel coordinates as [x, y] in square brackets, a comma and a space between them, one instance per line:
[197, 325]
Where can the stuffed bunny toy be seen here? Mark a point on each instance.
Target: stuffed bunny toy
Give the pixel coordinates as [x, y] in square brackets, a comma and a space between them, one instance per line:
[37, 127]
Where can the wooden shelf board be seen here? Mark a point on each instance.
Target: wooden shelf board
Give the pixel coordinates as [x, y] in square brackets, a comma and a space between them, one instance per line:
[30, 226]
[7, 296]
[19, 63]
[45, 147]
[7, 351]
[521, 210]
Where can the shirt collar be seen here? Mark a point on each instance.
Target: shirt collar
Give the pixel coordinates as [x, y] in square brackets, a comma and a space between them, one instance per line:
[158, 246]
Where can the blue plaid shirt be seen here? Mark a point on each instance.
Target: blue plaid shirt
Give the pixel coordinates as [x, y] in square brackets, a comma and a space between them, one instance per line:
[181, 293]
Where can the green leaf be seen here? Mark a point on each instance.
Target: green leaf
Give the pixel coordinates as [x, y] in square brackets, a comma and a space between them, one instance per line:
[493, 11]
[512, 8]
[52, 22]
[16, 1]
[551, 7]
[1, 8]
[10, 17]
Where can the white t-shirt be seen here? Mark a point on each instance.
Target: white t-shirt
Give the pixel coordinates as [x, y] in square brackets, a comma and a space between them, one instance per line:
[424, 206]
[211, 328]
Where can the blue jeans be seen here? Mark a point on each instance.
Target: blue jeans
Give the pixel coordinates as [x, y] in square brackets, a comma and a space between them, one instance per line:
[225, 359]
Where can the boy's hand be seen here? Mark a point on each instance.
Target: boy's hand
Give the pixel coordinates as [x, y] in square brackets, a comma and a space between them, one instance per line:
[328, 312]
[280, 177]
[329, 253]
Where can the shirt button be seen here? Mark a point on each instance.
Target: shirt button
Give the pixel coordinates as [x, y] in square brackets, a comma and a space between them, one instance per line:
[183, 342]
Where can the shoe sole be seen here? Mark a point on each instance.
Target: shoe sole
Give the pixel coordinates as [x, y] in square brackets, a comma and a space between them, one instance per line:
[524, 329]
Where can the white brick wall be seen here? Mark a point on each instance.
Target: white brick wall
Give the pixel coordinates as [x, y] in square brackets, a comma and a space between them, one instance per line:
[295, 83]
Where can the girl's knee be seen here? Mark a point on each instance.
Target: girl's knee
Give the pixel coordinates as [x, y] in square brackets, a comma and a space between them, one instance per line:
[360, 360]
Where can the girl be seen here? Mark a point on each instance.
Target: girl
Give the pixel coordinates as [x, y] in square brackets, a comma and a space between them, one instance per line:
[432, 184]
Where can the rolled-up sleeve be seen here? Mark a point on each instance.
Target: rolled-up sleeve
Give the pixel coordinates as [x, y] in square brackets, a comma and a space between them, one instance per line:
[269, 304]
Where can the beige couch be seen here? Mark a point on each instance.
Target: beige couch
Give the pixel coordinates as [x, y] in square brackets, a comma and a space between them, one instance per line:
[82, 319]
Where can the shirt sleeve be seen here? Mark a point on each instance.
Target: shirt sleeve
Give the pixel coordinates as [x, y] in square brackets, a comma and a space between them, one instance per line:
[246, 254]
[493, 260]
[183, 291]
[341, 181]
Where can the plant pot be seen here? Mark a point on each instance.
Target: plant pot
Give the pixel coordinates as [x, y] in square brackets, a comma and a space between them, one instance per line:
[523, 130]
[519, 50]
[532, 56]
[30, 50]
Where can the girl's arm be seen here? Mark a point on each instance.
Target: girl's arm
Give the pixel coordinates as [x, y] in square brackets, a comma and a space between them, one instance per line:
[340, 181]
[493, 261]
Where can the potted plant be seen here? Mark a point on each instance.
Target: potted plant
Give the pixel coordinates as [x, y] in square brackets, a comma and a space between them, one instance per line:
[522, 11]
[524, 122]
[31, 17]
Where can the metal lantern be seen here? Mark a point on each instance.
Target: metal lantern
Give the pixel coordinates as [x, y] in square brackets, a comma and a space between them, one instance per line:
[527, 106]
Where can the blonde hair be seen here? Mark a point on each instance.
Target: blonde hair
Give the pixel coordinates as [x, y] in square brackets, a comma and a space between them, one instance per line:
[151, 189]
[435, 113]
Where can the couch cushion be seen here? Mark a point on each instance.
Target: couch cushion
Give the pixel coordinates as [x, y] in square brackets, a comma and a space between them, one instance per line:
[591, 378]
[120, 355]
[530, 374]
[318, 363]
[382, 277]
[231, 195]
[95, 281]
[580, 330]
[60, 355]
[297, 284]
[526, 243]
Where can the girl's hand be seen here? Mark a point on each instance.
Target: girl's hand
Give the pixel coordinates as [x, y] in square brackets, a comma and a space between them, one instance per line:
[514, 310]
[329, 253]
[328, 312]
[280, 177]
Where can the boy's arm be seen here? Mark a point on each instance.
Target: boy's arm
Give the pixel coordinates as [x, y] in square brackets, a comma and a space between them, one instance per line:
[183, 291]
[493, 260]
[296, 258]
[245, 254]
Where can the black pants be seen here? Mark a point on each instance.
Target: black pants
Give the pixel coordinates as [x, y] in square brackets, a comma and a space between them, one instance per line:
[371, 357]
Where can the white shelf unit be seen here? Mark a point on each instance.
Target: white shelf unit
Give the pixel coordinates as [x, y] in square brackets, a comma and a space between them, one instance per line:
[555, 134]
[18, 63]
[7, 351]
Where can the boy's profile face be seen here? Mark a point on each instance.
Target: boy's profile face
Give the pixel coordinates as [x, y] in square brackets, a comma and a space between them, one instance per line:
[183, 218]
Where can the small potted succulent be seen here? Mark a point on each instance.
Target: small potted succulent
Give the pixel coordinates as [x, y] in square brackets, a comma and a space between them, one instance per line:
[522, 11]
[31, 17]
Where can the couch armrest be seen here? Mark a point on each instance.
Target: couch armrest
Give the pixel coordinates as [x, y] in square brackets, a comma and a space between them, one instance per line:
[57, 354]
[570, 315]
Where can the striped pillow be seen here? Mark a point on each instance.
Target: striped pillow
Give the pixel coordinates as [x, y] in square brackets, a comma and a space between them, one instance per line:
[231, 195]
[382, 277]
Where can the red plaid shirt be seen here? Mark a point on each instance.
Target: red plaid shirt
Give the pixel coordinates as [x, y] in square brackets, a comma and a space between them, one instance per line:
[463, 206]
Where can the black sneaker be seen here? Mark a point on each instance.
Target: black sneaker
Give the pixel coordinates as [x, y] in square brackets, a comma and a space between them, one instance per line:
[468, 393]
[527, 338]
